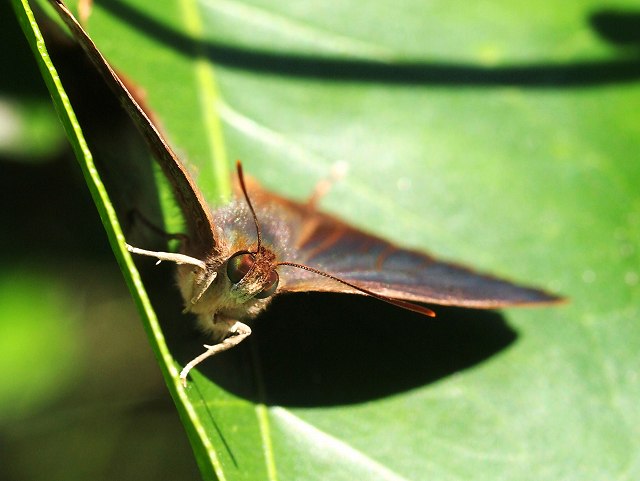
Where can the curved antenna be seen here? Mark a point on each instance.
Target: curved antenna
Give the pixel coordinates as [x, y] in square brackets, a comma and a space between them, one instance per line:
[425, 311]
[246, 197]
[409, 306]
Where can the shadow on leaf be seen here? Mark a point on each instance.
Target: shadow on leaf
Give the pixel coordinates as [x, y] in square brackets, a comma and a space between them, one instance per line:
[543, 74]
[618, 27]
[327, 349]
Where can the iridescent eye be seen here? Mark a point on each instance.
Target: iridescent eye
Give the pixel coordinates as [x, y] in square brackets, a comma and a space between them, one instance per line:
[270, 286]
[238, 265]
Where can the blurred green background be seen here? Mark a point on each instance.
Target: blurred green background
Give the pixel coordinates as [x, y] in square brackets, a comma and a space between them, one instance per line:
[70, 336]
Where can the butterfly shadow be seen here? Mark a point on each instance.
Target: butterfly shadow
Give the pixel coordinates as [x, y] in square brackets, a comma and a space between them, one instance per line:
[332, 349]
[542, 74]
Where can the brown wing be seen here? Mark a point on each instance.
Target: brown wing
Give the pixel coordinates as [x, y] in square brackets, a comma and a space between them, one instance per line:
[329, 244]
[197, 213]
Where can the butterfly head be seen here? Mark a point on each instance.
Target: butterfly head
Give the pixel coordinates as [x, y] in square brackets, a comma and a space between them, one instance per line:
[253, 274]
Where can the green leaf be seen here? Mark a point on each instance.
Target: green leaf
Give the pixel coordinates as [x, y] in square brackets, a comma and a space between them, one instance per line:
[505, 137]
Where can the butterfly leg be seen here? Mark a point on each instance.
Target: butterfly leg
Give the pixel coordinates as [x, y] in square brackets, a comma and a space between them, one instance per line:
[238, 332]
[338, 171]
[168, 256]
[135, 216]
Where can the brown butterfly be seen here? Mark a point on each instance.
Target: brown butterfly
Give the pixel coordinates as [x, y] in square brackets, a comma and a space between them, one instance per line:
[234, 259]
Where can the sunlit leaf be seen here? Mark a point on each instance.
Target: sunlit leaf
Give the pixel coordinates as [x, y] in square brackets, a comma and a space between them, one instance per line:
[502, 136]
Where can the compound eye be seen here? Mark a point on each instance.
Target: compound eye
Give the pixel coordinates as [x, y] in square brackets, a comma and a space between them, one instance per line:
[270, 286]
[238, 265]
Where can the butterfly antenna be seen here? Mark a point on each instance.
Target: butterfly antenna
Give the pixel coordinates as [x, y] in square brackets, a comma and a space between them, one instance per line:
[410, 306]
[246, 197]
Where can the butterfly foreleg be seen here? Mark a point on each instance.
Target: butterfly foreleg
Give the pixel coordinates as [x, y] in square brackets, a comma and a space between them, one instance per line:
[237, 333]
[168, 256]
[134, 215]
[322, 188]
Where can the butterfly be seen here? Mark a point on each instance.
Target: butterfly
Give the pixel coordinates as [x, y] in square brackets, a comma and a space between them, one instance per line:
[233, 260]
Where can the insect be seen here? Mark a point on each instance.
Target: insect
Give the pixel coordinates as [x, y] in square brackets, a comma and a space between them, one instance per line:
[233, 260]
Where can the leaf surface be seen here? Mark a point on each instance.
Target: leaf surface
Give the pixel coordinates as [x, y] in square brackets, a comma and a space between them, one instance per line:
[499, 136]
